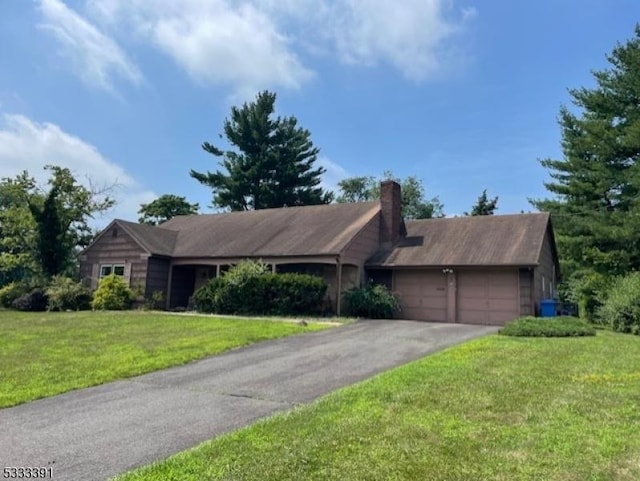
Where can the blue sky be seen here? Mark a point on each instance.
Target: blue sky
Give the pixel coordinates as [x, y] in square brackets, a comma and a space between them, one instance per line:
[462, 94]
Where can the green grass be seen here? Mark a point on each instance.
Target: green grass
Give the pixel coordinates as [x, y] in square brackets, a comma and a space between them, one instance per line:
[42, 354]
[564, 326]
[498, 408]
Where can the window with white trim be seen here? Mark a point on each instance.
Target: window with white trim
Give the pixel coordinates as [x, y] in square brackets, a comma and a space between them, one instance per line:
[108, 269]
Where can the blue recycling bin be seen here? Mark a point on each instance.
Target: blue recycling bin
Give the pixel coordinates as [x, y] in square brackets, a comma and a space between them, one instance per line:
[548, 307]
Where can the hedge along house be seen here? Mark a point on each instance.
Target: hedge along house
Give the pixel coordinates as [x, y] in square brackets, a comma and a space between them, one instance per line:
[485, 270]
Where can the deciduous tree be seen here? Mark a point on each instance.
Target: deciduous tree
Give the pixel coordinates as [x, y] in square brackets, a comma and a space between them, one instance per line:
[34, 219]
[164, 208]
[414, 203]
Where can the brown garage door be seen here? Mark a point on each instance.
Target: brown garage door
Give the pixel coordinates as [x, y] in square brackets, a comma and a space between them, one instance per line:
[422, 294]
[487, 297]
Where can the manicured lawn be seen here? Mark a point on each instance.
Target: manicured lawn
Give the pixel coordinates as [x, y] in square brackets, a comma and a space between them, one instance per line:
[42, 354]
[497, 408]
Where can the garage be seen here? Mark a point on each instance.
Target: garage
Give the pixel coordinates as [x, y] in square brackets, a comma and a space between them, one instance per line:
[487, 296]
[422, 294]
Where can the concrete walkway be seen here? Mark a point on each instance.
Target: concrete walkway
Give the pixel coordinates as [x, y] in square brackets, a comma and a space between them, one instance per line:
[96, 433]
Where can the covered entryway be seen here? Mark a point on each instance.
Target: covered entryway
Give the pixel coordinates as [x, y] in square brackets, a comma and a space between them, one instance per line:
[487, 296]
[422, 294]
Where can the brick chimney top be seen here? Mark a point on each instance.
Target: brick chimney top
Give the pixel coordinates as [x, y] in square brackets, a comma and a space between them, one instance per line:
[391, 222]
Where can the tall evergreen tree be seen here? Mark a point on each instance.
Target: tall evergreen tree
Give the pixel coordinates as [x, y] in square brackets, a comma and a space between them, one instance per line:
[596, 207]
[51, 250]
[484, 205]
[273, 164]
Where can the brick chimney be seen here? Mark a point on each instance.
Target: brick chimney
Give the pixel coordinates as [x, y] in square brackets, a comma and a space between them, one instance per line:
[391, 223]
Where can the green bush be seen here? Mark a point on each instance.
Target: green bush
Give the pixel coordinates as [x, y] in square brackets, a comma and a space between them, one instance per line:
[35, 300]
[621, 308]
[112, 294]
[11, 292]
[295, 294]
[548, 327]
[587, 290]
[244, 271]
[66, 294]
[249, 288]
[374, 301]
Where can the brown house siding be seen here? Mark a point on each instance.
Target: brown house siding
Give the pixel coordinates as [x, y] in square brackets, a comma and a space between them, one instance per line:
[526, 294]
[157, 276]
[545, 274]
[115, 246]
[364, 245]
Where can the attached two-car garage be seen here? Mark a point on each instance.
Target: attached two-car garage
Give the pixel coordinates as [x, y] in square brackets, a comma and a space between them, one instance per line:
[471, 296]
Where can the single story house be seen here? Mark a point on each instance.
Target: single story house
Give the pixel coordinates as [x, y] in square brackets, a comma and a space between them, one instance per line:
[485, 270]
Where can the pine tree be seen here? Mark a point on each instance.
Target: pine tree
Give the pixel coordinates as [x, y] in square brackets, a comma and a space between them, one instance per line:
[273, 166]
[484, 205]
[596, 208]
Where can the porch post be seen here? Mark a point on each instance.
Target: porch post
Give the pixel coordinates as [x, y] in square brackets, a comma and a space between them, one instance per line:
[338, 285]
[452, 287]
[169, 282]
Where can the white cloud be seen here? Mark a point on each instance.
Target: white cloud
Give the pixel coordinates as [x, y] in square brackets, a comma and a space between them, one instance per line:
[94, 57]
[411, 35]
[29, 145]
[417, 37]
[214, 41]
[334, 174]
[257, 44]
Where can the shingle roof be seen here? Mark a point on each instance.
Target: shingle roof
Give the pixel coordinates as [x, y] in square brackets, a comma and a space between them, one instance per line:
[290, 231]
[156, 240]
[500, 240]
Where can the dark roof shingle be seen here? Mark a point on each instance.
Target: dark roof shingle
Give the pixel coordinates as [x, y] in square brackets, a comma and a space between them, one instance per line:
[290, 231]
[500, 240]
[156, 240]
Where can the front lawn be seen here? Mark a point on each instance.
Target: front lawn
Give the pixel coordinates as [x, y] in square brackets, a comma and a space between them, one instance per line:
[497, 408]
[47, 353]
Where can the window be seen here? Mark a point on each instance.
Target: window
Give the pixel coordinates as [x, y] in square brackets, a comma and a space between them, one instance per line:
[108, 269]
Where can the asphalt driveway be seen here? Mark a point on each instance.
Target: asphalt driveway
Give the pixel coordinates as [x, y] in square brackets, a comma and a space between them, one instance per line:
[96, 433]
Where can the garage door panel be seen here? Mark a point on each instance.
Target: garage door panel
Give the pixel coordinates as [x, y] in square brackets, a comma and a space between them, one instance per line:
[501, 292]
[422, 294]
[487, 297]
[418, 301]
[503, 305]
[472, 303]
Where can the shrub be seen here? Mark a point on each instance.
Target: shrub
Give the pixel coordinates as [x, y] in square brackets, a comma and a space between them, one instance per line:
[66, 294]
[245, 270]
[206, 298]
[548, 327]
[155, 301]
[112, 294]
[295, 294]
[374, 301]
[621, 308]
[249, 288]
[11, 292]
[587, 290]
[35, 300]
